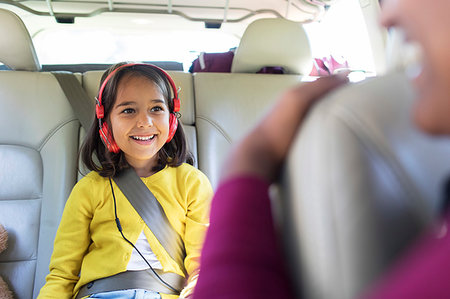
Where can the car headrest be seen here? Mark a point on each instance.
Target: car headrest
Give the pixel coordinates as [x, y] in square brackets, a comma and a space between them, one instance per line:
[16, 48]
[273, 43]
[361, 183]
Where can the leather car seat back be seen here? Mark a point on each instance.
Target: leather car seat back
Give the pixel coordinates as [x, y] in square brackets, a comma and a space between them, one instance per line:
[361, 183]
[38, 154]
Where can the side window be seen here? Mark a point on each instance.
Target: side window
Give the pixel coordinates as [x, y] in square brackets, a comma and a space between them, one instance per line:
[342, 34]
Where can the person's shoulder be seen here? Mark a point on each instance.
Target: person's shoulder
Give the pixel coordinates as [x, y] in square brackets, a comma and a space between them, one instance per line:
[94, 176]
[91, 178]
[89, 188]
[195, 175]
[188, 169]
[193, 180]
[91, 183]
[188, 172]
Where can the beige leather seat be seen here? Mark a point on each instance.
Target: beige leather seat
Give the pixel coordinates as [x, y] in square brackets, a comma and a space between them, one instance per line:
[360, 184]
[273, 42]
[227, 105]
[38, 154]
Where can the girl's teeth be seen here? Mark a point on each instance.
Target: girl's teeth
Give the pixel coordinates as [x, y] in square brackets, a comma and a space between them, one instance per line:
[143, 138]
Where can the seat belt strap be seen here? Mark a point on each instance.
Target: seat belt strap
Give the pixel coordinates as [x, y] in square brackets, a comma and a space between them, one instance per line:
[82, 105]
[143, 279]
[151, 211]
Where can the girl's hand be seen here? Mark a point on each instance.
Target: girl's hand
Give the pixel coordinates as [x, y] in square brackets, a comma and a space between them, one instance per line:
[263, 150]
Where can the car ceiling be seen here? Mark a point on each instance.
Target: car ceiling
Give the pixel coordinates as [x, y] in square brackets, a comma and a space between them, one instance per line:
[235, 15]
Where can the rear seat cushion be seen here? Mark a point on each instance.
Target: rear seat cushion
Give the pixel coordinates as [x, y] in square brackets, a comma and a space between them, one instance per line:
[227, 106]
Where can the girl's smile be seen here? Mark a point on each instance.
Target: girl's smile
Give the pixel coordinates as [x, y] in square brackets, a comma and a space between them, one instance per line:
[143, 138]
[140, 122]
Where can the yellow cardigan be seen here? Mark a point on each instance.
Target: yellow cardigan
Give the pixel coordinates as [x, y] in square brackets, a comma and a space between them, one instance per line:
[88, 245]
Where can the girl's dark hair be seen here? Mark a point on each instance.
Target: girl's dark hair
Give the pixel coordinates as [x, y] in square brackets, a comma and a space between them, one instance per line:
[96, 156]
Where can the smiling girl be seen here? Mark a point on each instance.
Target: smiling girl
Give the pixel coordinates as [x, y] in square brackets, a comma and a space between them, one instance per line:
[137, 128]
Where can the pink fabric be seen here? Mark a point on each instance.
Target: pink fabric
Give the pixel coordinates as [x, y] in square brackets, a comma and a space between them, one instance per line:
[327, 66]
[423, 273]
[241, 258]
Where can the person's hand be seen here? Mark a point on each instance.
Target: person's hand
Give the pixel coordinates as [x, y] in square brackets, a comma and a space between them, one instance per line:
[309, 92]
[263, 150]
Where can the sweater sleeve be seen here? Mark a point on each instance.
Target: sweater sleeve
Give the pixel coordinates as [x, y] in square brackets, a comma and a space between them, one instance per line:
[422, 272]
[197, 221]
[240, 257]
[71, 243]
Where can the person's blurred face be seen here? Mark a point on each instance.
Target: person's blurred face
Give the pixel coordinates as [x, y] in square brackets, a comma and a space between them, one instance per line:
[428, 23]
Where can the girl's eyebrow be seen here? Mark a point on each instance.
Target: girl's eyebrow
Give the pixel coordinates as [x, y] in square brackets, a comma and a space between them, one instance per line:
[159, 101]
[127, 103]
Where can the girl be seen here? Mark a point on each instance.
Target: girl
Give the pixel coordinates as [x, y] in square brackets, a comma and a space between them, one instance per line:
[136, 127]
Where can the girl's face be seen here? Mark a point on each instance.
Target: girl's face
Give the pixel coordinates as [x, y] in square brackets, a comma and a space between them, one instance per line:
[140, 121]
[427, 23]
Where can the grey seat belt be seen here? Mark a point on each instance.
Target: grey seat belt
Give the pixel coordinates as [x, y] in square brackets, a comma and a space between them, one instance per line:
[144, 279]
[137, 193]
[82, 105]
[151, 211]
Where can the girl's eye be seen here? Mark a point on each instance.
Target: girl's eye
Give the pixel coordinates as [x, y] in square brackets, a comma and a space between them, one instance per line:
[157, 108]
[128, 110]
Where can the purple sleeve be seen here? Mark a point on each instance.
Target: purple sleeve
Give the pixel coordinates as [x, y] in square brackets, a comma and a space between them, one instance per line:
[240, 257]
[423, 273]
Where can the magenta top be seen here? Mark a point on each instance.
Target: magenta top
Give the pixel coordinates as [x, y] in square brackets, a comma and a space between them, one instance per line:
[424, 272]
[241, 257]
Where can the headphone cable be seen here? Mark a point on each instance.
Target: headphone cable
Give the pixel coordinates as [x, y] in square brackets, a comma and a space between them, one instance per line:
[119, 227]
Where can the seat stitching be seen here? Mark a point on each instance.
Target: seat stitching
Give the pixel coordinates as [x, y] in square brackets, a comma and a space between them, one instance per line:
[362, 130]
[53, 132]
[218, 128]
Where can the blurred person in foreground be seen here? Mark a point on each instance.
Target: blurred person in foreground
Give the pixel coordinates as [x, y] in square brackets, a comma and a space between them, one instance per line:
[241, 257]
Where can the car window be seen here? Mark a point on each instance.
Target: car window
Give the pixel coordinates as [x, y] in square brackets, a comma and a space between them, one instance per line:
[110, 37]
[342, 33]
[109, 45]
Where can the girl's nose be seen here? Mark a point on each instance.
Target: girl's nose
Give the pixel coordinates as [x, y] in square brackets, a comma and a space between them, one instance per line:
[144, 120]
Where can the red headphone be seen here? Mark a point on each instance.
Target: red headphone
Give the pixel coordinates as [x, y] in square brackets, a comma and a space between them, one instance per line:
[105, 133]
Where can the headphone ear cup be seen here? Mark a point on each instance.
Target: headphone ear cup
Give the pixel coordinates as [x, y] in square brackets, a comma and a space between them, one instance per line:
[173, 125]
[108, 140]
